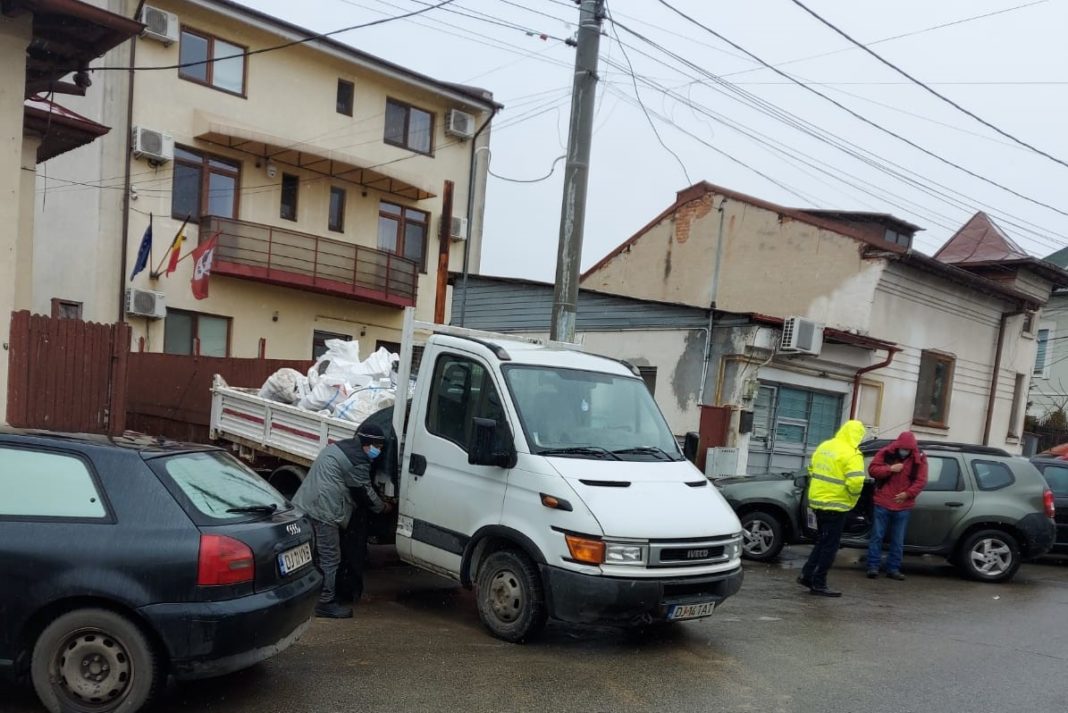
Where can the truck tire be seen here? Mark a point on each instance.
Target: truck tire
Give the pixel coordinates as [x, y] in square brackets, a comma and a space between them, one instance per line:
[762, 537]
[286, 479]
[990, 556]
[511, 600]
[94, 661]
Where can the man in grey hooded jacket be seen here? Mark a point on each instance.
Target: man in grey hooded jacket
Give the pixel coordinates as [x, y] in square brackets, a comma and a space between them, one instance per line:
[340, 472]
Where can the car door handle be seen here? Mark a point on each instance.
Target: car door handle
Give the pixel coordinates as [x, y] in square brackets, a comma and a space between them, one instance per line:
[954, 505]
[417, 465]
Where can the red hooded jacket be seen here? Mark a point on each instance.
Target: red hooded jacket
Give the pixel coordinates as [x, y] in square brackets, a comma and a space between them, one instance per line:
[910, 479]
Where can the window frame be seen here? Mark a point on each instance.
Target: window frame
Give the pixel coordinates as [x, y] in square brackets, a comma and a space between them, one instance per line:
[352, 96]
[327, 334]
[101, 492]
[947, 388]
[402, 222]
[293, 181]
[978, 482]
[487, 378]
[58, 303]
[959, 485]
[406, 143]
[196, 330]
[204, 189]
[1018, 407]
[339, 227]
[1043, 344]
[209, 65]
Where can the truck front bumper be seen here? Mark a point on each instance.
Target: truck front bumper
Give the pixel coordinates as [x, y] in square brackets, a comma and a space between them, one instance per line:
[592, 599]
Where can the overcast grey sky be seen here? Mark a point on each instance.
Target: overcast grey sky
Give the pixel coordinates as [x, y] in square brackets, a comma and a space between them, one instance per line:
[1009, 68]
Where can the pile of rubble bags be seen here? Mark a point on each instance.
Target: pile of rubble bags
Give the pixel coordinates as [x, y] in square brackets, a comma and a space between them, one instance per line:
[339, 384]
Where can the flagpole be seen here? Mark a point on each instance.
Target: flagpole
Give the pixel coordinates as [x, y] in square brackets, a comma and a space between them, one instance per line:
[156, 273]
[150, 242]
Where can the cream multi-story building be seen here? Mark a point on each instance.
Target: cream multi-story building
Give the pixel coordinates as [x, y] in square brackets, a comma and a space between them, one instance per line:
[323, 170]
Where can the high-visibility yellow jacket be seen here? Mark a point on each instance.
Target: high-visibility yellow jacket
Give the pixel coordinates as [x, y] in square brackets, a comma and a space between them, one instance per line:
[836, 473]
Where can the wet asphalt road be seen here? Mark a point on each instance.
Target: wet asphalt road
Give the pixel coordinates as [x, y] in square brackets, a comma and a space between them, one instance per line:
[934, 643]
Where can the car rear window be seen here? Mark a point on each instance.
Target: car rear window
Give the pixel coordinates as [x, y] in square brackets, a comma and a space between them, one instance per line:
[1057, 477]
[215, 483]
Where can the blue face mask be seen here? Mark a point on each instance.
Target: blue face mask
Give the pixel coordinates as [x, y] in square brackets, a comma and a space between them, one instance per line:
[373, 452]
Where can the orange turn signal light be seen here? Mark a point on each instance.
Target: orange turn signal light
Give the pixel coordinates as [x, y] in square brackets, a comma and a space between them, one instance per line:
[585, 550]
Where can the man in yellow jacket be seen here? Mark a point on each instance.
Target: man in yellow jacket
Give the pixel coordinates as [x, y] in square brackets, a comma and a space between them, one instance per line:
[836, 479]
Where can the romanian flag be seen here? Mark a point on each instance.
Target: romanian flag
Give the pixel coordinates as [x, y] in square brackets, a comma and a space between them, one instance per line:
[176, 249]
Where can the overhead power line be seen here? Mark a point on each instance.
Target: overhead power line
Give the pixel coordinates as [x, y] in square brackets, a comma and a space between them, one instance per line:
[927, 87]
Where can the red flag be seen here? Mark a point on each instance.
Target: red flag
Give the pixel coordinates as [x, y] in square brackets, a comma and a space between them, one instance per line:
[203, 257]
[176, 249]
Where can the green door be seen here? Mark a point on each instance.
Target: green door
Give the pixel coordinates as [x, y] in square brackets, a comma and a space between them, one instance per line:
[944, 501]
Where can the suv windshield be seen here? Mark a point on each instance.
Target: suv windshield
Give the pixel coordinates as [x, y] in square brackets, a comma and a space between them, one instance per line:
[586, 414]
[220, 487]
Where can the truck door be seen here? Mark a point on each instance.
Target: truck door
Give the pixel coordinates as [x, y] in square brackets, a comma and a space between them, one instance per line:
[446, 498]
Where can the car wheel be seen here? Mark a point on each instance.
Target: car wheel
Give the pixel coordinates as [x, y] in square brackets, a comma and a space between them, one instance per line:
[511, 601]
[287, 480]
[762, 537]
[94, 661]
[990, 556]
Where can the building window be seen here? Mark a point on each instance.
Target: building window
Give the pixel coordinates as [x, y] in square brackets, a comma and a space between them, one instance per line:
[902, 239]
[184, 331]
[648, 374]
[203, 185]
[408, 127]
[346, 95]
[934, 390]
[290, 189]
[201, 58]
[319, 338]
[336, 219]
[1042, 353]
[1019, 394]
[402, 231]
[66, 309]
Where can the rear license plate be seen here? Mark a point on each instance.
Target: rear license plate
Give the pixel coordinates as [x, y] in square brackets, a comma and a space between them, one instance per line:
[691, 611]
[292, 560]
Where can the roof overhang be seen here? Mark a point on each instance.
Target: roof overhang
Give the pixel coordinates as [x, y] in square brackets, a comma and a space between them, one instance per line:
[332, 163]
[59, 128]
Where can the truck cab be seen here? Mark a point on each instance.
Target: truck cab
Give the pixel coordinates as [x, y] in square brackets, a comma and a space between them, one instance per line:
[547, 479]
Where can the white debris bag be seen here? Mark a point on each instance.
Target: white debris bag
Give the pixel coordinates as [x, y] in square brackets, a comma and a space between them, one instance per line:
[285, 386]
[367, 401]
[325, 395]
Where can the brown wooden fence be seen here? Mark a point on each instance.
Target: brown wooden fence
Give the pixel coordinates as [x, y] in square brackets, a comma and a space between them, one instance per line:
[67, 375]
[170, 395]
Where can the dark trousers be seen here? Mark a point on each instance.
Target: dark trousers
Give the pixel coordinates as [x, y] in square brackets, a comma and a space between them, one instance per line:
[328, 556]
[829, 524]
[353, 556]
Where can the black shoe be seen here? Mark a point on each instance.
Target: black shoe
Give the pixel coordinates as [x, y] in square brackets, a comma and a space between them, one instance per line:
[804, 582]
[873, 573]
[333, 610]
[824, 592]
[896, 575]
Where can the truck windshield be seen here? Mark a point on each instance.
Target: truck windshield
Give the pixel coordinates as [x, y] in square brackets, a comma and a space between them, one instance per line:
[586, 414]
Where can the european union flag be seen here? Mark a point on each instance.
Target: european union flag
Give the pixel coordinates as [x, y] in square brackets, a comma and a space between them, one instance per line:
[143, 251]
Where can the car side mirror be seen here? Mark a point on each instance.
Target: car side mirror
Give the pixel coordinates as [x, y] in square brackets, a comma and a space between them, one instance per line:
[801, 480]
[490, 446]
[690, 445]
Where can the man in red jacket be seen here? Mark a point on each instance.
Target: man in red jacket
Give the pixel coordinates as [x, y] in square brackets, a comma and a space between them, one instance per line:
[900, 472]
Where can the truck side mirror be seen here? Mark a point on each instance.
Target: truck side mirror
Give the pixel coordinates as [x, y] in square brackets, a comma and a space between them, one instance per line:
[690, 445]
[489, 446]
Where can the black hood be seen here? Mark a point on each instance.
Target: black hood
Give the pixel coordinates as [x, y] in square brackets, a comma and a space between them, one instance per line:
[353, 450]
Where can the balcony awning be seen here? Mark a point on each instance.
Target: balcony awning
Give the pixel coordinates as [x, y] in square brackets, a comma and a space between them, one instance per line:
[59, 128]
[329, 162]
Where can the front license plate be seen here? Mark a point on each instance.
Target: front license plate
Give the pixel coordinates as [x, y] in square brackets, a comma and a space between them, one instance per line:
[691, 611]
[292, 560]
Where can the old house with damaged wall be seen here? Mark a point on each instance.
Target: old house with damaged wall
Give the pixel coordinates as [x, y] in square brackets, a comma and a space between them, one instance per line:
[824, 315]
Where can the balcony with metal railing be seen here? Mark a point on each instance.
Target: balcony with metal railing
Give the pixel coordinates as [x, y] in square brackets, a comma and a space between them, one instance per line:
[278, 256]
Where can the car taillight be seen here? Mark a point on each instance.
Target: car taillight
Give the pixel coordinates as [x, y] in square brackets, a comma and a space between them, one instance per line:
[224, 560]
[1047, 500]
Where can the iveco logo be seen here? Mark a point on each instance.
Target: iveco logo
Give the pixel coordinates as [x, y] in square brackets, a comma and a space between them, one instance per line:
[293, 528]
[696, 554]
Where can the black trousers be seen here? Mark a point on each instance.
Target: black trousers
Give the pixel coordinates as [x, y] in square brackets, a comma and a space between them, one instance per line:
[353, 556]
[829, 524]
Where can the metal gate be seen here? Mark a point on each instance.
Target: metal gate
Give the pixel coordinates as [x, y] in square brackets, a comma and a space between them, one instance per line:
[67, 375]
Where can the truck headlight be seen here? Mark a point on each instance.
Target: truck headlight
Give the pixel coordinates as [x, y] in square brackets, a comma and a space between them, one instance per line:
[733, 549]
[624, 554]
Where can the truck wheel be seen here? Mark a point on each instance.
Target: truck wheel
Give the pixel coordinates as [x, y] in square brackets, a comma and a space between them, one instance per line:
[990, 556]
[286, 479]
[94, 661]
[762, 537]
[511, 601]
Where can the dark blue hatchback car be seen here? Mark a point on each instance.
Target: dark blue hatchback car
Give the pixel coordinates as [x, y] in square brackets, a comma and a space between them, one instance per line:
[125, 560]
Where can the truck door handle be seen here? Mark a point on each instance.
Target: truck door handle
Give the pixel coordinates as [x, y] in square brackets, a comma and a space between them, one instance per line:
[954, 505]
[417, 465]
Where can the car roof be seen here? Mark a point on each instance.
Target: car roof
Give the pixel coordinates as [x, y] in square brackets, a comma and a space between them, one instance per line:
[876, 444]
[132, 441]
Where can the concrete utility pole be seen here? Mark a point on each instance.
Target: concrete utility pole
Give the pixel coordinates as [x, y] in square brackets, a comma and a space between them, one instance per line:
[576, 172]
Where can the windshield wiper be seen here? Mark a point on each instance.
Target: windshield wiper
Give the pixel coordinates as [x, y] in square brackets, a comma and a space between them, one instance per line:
[255, 509]
[580, 451]
[651, 450]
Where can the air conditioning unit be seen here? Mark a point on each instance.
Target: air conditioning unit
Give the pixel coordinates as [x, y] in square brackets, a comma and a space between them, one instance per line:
[145, 303]
[160, 25]
[458, 228]
[801, 336]
[459, 123]
[153, 145]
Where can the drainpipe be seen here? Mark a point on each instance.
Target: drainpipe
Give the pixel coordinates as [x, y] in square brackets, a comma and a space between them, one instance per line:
[890, 352]
[712, 308]
[471, 215]
[124, 236]
[994, 378]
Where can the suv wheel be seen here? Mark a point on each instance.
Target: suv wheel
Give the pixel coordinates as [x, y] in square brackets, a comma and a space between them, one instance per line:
[94, 661]
[990, 556]
[511, 602]
[762, 537]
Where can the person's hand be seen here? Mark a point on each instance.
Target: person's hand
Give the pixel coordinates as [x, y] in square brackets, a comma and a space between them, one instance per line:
[387, 506]
[896, 468]
[901, 497]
